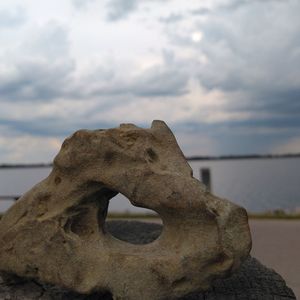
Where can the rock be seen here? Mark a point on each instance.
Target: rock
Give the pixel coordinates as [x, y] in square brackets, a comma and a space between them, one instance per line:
[55, 232]
[251, 281]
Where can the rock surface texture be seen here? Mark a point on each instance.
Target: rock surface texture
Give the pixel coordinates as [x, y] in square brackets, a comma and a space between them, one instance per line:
[252, 281]
[56, 232]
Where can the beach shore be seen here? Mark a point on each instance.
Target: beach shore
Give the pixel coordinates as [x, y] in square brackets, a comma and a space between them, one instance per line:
[276, 243]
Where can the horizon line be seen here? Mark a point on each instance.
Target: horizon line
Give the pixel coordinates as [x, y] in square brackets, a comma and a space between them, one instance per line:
[188, 158]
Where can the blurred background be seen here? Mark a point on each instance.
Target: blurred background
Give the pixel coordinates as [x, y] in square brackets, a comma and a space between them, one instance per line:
[223, 74]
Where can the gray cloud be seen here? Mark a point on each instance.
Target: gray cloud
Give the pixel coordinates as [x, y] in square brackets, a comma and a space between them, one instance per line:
[233, 5]
[81, 3]
[172, 18]
[161, 82]
[120, 9]
[50, 41]
[42, 69]
[165, 80]
[201, 11]
[258, 60]
[252, 57]
[252, 61]
[45, 74]
[45, 71]
[36, 81]
[53, 125]
[12, 18]
[236, 4]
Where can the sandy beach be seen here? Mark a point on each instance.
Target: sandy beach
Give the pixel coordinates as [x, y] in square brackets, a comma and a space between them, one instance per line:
[276, 243]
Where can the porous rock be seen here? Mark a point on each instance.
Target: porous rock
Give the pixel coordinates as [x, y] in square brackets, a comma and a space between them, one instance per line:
[56, 233]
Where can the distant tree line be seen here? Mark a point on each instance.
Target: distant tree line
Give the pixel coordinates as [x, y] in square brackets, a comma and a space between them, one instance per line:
[190, 158]
[248, 156]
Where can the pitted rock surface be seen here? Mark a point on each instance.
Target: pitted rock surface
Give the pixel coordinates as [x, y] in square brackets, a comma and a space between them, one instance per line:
[252, 281]
[56, 232]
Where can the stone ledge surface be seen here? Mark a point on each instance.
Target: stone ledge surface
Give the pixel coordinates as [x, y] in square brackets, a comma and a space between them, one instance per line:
[253, 281]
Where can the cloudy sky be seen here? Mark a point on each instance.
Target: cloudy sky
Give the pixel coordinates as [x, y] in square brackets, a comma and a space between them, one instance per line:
[223, 74]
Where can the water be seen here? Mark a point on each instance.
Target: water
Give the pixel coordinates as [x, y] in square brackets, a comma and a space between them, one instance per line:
[257, 184]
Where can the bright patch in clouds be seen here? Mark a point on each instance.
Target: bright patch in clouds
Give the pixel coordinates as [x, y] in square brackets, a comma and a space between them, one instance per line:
[197, 36]
[225, 75]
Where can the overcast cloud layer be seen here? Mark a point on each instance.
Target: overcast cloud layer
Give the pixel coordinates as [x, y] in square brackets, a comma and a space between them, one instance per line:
[224, 74]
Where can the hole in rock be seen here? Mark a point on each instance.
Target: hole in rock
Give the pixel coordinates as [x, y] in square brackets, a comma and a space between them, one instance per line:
[130, 223]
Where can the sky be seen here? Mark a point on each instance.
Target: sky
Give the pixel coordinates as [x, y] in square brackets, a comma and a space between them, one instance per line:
[223, 74]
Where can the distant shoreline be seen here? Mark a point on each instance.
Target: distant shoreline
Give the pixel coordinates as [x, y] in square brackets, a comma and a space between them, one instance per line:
[190, 158]
[20, 166]
[248, 156]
